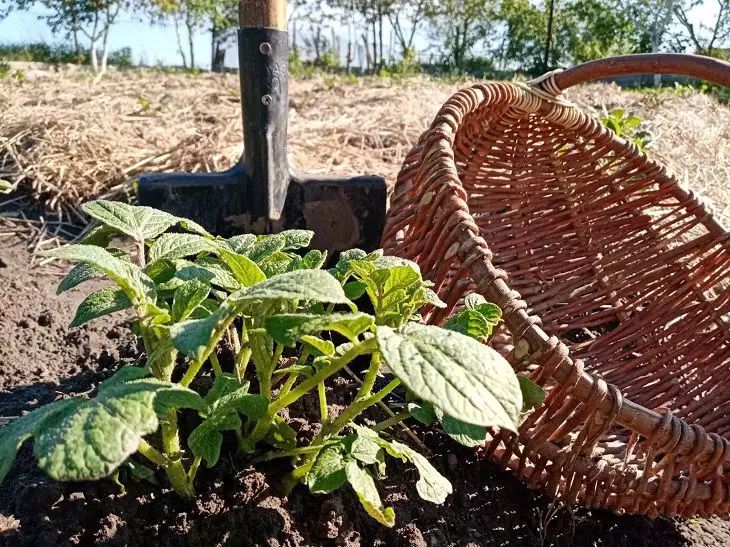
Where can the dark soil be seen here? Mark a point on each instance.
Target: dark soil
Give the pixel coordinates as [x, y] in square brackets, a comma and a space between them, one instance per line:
[42, 360]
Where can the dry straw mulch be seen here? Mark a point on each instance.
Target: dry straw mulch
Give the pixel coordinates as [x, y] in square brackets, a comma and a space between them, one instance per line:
[66, 138]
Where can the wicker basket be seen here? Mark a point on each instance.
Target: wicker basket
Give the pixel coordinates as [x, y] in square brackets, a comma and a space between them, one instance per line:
[613, 280]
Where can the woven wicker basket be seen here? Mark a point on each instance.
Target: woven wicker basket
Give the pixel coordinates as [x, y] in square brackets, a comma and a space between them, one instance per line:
[613, 280]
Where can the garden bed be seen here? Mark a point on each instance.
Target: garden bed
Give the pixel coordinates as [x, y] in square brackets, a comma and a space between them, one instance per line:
[41, 359]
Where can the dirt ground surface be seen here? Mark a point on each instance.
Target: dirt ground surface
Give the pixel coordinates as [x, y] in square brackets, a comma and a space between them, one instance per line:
[42, 360]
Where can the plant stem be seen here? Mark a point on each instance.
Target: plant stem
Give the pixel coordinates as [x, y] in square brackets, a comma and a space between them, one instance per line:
[322, 402]
[173, 468]
[194, 469]
[217, 370]
[393, 420]
[264, 424]
[197, 363]
[141, 254]
[370, 376]
[349, 414]
[243, 355]
[152, 454]
[288, 384]
[358, 405]
[242, 360]
[171, 448]
[310, 383]
[286, 453]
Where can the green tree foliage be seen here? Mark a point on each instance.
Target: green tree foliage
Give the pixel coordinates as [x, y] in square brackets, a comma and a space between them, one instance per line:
[458, 26]
[582, 30]
[91, 19]
[219, 17]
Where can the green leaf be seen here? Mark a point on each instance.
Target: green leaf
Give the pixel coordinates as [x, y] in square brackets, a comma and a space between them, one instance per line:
[532, 394]
[129, 277]
[431, 486]
[90, 439]
[224, 384]
[266, 246]
[470, 323]
[210, 270]
[297, 239]
[140, 472]
[205, 440]
[394, 286]
[84, 272]
[320, 347]
[192, 336]
[288, 328]
[314, 285]
[187, 297]
[139, 222]
[192, 226]
[477, 302]
[364, 486]
[102, 302]
[251, 405]
[313, 260]
[432, 298]
[281, 435]
[328, 471]
[175, 246]
[342, 268]
[101, 236]
[463, 433]
[276, 264]
[5, 187]
[473, 300]
[241, 244]
[175, 398]
[161, 271]
[245, 270]
[14, 434]
[422, 411]
[355, 289]
[125, 374]
[467, 380]
[365, 449]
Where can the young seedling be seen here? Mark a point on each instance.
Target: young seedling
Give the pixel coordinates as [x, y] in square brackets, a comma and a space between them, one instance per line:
[292, 326]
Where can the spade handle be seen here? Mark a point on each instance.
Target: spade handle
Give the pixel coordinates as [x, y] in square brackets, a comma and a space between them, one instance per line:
[262, 14]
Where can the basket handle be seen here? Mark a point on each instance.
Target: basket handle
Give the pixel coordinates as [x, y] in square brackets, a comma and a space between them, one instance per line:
[694, 66]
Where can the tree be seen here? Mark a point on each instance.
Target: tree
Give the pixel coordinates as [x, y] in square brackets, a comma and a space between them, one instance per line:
[599, 28]
[90, 18]
[460, 25]
[316, 20]
[183, 13]
[525, 35]
[582, 30]
[220, 17]
[371, 15]
[223, 24]
[705, 38]
[405, 17]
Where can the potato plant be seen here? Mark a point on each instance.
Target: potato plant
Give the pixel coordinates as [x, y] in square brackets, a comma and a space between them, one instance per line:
[292, 325]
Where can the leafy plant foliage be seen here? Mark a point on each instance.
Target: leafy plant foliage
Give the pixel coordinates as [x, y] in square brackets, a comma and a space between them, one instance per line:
[292, 326]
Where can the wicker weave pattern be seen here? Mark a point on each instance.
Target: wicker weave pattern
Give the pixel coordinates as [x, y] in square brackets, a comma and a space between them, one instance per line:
[614, 285]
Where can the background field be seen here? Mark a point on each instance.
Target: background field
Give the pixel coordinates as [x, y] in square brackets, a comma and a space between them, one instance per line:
[66, 137]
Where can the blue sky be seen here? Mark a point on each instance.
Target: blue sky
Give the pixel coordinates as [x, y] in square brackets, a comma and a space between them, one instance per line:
[153, 44]
[150, 44]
